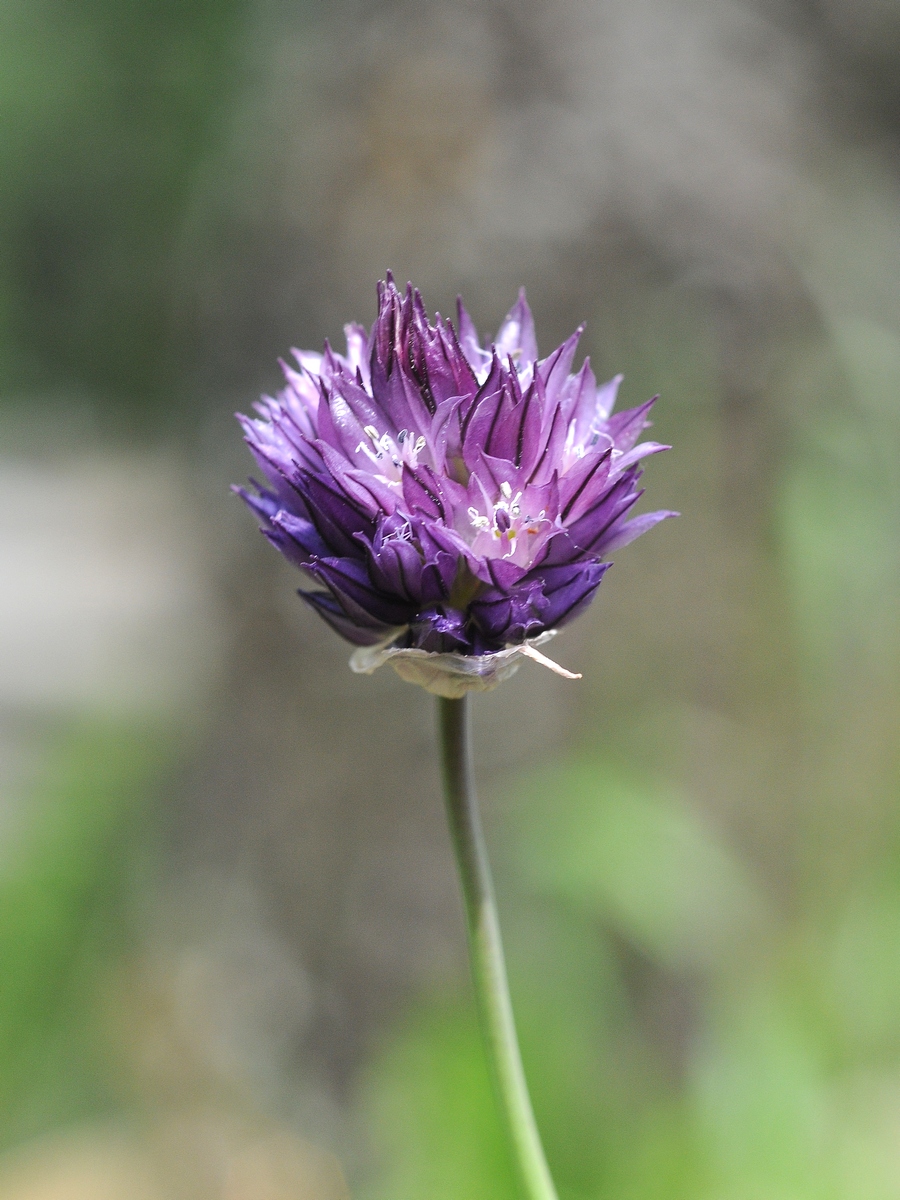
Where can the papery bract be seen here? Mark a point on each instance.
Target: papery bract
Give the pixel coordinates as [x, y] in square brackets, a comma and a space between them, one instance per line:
[447, 498]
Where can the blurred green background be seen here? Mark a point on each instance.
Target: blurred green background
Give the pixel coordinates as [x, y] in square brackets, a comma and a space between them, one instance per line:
[231, 949]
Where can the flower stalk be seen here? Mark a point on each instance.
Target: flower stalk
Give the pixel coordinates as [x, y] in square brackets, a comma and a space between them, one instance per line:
[486, 950]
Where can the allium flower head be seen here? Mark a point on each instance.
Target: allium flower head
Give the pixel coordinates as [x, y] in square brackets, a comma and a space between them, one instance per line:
[456, 505]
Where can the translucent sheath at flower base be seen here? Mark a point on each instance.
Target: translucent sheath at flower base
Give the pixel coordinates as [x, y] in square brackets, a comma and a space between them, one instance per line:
[455, 504]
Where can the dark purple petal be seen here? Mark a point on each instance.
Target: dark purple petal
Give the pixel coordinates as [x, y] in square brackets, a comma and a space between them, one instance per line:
[491, 425]
[491, 388]
[274, 458]
[436, 360]
[427, 493]
[507, 618]
[443, 552]
[297, 538]
[355, 631]
[626, 427]
[588, 531]
[550, 444]
[351, 586]
[337, 518]
[437, 578]
[530, 419]
[504, 574]
[394, 566]
[440, 630]
[265, 505]
[569, 590]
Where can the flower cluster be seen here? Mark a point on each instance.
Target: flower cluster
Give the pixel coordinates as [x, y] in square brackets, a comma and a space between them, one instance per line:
[449, 499]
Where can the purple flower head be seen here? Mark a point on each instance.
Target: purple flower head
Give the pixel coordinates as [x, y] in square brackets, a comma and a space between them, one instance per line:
[455, 505]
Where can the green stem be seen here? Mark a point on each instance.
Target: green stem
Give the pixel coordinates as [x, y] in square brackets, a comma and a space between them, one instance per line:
[486, 950]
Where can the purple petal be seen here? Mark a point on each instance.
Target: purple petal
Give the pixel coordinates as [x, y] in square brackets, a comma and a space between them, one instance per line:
[569, 590]
[469, 341]
[550, 444]
[358, 351]
[436, 360]
[643, 450]
[297, 538]
[394, 566]
[588, 531]
[369, 493]
[360, 634]
[491, 387]
[626, 531]
[426, 492]
[265, 505]
[579, 487]
[491, 424]
[554, 369]
[516, 337]
[509, 617]
[626, 427]
[336, 518]
[440, 630]
[349, 583]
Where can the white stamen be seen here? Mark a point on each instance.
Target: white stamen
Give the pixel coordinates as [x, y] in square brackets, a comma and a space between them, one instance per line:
[506, 489]
[371, 432]
[420, 445]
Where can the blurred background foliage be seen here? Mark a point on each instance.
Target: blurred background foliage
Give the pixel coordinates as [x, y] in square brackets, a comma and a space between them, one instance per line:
[231, 955]
[110, 111]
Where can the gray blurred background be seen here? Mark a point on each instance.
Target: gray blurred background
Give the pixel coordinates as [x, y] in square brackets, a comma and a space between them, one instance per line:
[231, 949]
